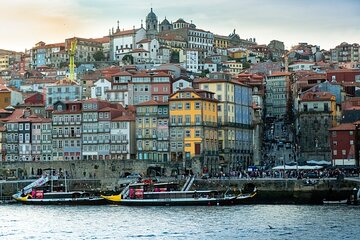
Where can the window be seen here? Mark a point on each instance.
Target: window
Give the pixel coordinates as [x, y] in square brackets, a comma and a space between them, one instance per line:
[180, 106]
[187, 106]
[197, 133]
[187, 133]
[187, 119]
[351, 142]
[180, 120]
[335, 143]
[218, 87]
[197, 105]
[351, 133]
[343, 152]
[334, 152]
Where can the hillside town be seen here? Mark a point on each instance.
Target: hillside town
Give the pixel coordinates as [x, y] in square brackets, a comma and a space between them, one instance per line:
[169, 92]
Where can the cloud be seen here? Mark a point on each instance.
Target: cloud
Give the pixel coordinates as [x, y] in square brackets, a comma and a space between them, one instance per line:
[323, 22]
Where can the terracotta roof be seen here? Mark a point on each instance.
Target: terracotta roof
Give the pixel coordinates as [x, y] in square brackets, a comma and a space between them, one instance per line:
[3, 88]
[136, 50]
[126, 32]
[152, 103]
[344, 127]
[317, 96]
[145, 40]
[102, 40]
[125, 118]
[278, 74]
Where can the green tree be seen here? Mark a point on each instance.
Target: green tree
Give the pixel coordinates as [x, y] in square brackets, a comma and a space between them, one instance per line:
[246, 65]
[99, 56]
[174, 57]
[128, 59]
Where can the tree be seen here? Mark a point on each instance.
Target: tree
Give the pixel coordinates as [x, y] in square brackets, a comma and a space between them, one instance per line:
[174, 57]
[246, 65]
[99, 56]
[128, 59]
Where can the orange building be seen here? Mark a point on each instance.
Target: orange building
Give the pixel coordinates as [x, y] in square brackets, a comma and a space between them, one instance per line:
[5, 97]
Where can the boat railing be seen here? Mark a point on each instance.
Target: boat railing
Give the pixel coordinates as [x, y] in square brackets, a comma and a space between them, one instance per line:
[125, 192]
[188, 183]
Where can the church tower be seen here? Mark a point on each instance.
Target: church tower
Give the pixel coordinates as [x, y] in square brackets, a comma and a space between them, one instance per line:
[151, 25]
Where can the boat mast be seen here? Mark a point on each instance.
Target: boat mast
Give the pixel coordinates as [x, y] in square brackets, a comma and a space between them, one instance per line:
[65, 182]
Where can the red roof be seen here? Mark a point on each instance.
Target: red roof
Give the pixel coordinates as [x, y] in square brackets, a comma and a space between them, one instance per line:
[152, 103]
[126, 32]
[317, 96]
[344, 127]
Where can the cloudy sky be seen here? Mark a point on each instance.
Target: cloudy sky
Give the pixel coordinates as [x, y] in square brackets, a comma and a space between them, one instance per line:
[323, 22]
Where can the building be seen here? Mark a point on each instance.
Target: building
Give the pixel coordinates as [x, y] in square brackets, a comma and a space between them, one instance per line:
[301, 66]
[233, 67]
[85, 49]
[193, 129]
[5, 96]
[151, 25]
[165, 25]
[122, 134]
[28, 138]
[122, 42]
[345, 52]
[277, 94]
[152, 131]
[235, 136]
[317, 114]
[67, 130]
[100, 89]
[63, 90]
[181, 83]
[342, 144]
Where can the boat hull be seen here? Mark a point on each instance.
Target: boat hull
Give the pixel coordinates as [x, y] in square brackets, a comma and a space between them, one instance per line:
[92, 201]
[177, 202]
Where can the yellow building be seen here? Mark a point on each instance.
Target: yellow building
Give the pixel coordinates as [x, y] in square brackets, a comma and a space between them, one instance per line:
[233, 67]
[193, 128]
[234, 119]
[5, 97]
[239, 54]
[4, 62]
[221, 41]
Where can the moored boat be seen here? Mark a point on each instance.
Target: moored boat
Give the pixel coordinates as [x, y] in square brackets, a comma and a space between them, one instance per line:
[167, 194]
[38, 193]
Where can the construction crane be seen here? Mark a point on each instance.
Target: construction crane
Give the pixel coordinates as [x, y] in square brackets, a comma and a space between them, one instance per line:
[72, 59]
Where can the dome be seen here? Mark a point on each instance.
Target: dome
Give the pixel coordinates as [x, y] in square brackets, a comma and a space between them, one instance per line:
[165, 22]
[151, 16]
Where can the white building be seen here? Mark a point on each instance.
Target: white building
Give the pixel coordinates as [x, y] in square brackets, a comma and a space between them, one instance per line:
[301, 66]
[181, 83]
[99, 89]
[122, 42]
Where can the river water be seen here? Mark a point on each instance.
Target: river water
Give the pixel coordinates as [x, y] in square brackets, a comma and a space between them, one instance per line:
[216, 222]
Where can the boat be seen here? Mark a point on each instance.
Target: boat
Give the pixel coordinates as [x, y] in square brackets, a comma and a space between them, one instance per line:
[38, 193]
[167, 194]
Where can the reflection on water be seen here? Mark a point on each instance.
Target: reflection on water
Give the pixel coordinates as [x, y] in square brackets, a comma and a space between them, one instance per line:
[234, 222]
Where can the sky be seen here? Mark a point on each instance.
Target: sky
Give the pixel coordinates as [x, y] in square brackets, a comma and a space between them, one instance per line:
[326, 23]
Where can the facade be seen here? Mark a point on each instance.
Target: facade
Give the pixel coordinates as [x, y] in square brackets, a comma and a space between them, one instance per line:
[28, 138]
[63, 90]
[235, 136]
[122, 134]
[100, 88]
[5, 97]
[301, 66]
[277, 94]
[67, 131]
[122, 42]
[345, 53]
[193, 129]
[152, 131]
[86, 47]
[317, 114]
[342, 144]
[181, 83]
[233, 67]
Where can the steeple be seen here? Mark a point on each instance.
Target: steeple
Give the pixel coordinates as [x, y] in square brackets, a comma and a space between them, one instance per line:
[118, 26]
